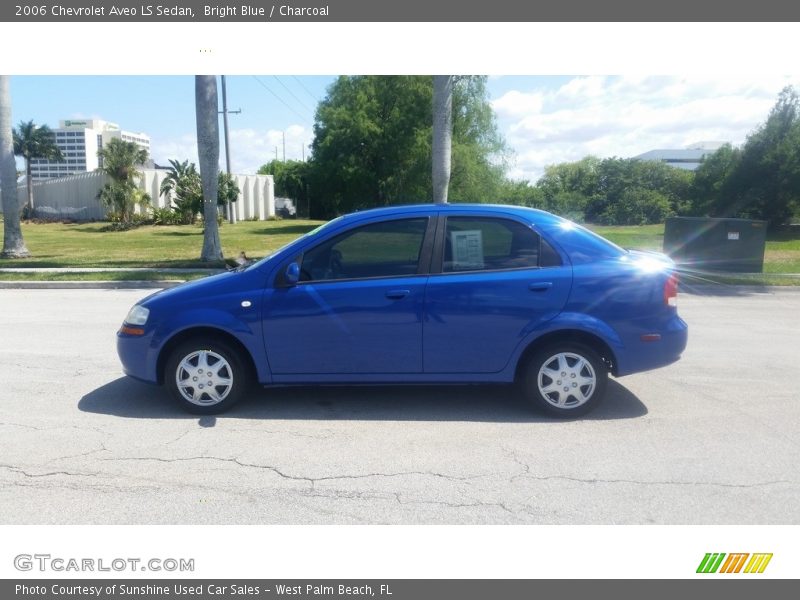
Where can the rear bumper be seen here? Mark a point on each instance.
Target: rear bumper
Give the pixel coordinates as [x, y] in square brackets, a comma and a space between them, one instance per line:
[640, 355]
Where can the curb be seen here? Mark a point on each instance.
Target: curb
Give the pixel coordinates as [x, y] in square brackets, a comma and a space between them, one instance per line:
[165, 271]
[89, 285]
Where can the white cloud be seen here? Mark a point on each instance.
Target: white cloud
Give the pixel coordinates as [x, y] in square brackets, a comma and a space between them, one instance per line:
[180, 149]
[516, 104]
[250, 148]
[625, 116]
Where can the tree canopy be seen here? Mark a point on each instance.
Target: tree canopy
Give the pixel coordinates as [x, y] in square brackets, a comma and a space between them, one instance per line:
[373, 147]
[762, 180]
[290, 178]
[373, 137]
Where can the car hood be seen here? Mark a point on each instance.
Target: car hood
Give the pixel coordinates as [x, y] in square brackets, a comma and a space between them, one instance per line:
[207, 286]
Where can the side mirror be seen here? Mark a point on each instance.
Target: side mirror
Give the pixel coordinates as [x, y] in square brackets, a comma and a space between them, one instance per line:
[292, 274]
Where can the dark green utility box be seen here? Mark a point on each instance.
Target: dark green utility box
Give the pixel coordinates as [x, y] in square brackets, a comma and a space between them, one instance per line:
[735, 245]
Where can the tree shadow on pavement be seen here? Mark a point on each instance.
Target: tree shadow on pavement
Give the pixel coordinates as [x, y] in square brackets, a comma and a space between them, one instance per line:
[128, 398]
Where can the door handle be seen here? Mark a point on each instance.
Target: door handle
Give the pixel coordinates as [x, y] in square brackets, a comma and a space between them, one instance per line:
[540, 286]
[397, 294]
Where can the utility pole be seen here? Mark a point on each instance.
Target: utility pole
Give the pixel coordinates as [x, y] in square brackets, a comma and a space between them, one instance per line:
[283, 133]
[228, 208]
[303, 149]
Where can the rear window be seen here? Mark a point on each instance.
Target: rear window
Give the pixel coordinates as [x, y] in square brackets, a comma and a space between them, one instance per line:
[582, 245]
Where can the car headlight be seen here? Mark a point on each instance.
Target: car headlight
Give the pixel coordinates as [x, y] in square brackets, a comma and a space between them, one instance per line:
[137, 315]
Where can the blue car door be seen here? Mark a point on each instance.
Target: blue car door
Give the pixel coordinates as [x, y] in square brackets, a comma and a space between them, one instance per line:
[357, 307]
[493, 281]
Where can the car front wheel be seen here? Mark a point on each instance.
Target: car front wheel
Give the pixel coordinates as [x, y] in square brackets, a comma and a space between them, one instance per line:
[205, 377]
[565, 380]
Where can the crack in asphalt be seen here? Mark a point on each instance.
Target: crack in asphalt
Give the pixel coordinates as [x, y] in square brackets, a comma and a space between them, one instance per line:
[526, 468]
[105, 488]
[102, 448]
[526, 473]
[311, 480]
[398, 498]
[25, 473]
[476, 504]
[54, 428]
[636, 482]
[184, 434]
[20, 425]
[325, 436]
[464, 479]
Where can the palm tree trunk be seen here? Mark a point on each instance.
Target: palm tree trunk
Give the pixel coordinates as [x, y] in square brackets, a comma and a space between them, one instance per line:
[29, 185]
[442, 135]
[207, 111]
[13, 244]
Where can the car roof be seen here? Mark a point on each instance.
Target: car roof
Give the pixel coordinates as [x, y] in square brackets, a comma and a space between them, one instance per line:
[533, 215]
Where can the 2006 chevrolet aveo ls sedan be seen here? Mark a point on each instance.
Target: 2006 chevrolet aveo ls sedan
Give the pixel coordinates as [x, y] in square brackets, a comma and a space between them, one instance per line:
[416, 294]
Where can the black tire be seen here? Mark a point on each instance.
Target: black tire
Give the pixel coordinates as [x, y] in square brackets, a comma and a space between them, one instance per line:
[582, 388]
[204, 356]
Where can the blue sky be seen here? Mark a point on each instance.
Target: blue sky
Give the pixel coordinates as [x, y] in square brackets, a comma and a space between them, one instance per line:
[545, 119]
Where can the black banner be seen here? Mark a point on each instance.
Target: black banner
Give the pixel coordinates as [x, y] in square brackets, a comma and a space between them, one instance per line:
[400, 11]
[395, 589]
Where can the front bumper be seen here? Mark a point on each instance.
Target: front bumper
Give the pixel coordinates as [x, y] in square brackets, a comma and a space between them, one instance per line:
[138, 357]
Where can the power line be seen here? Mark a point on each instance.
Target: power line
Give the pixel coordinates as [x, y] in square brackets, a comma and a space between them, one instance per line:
[292, 94]
[281, 100]
[312, 96]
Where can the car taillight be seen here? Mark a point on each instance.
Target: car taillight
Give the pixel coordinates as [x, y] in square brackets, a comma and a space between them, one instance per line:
[671, 291]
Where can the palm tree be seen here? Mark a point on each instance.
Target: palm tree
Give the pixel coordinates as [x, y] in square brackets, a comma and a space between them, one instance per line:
[442, 135]
[13, 244]
[119, 160]
[185, 189]
[32, 142]
[207, 112]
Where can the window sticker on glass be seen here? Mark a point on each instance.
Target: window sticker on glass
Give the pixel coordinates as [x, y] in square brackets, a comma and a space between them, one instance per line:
[467, 250]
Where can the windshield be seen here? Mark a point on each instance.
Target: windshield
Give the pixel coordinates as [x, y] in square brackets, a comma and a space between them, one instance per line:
[309, 234]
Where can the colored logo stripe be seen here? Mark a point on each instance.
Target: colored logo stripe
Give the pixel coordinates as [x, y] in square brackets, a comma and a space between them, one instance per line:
[710, 563]
[758, 563]
[733, 564]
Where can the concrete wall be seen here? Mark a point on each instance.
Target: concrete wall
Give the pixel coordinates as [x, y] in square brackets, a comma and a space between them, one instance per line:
[75, 197]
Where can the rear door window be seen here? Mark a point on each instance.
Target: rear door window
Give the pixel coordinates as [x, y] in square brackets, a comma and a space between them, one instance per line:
[492, 244]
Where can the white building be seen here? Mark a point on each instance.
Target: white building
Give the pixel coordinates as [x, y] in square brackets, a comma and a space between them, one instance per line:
[79, 140]
[75, 197]
[688, 158]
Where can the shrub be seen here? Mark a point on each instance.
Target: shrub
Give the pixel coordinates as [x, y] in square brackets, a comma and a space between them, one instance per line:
[167, 216]
[637, 206]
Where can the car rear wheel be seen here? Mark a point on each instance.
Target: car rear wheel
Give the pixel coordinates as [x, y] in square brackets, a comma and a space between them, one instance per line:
[206, 377]
[565, 380]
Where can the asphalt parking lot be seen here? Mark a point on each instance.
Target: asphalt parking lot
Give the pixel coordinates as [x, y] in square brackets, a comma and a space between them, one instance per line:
[712, 439]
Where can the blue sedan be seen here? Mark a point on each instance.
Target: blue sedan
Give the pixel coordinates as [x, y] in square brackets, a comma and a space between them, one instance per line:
[417, 294]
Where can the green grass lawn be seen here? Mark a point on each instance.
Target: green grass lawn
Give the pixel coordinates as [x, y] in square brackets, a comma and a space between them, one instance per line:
[782, 254]
[90, 245]
[644, 237]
